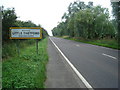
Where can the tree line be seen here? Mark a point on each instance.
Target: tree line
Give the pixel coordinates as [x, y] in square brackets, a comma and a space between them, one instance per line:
[9, 19]
[87, 21]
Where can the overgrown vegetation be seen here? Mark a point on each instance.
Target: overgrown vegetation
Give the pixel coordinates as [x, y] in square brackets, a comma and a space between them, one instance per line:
[106, 42]
[10, 49]
[27, 70]
[9, 19]
[88, 22]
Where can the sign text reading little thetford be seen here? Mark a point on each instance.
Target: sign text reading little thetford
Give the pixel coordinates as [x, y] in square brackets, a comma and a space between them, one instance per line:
[25, 33]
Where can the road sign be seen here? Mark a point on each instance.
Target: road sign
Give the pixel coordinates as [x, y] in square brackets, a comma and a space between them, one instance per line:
[25, 33]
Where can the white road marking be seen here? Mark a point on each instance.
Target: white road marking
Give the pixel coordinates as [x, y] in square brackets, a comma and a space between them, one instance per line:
[77, 45]
[74, 69]
[109, 56]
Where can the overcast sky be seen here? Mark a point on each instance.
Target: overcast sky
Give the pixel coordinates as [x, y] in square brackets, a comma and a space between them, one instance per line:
[47, 13]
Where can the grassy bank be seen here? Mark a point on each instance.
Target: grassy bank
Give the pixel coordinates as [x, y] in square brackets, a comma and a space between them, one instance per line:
[27, 70]
[111, 43]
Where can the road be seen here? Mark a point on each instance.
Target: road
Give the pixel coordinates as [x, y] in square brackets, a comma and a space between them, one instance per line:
[98, 65]
[59, 74]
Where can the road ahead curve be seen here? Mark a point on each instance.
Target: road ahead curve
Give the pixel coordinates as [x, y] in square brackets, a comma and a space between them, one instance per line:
[97, 64]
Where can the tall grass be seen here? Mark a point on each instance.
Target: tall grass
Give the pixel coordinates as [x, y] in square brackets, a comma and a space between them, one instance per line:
[105, 42]
[9, 49]
[27, 70]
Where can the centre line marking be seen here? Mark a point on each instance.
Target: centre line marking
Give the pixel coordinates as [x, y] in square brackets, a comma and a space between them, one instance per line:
[109, 56]
[74, 69]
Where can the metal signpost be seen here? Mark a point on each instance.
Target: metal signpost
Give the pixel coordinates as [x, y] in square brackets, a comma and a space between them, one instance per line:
[26, 33]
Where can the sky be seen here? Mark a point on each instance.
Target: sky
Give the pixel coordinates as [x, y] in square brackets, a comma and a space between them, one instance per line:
[47, 13]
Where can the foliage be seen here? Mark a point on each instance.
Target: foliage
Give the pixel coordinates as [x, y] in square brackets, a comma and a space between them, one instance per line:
[106, 42]
[27, 70]
[10, 49]
[116, 15]
[9, 19]
[115, 10]
[86, 21]
[28, 23]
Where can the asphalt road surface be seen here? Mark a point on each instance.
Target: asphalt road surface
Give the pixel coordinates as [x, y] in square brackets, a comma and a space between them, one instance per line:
[59, 73]
[98, 65]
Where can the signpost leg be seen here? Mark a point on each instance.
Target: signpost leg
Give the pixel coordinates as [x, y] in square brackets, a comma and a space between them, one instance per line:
[17, 46]
[36, 46]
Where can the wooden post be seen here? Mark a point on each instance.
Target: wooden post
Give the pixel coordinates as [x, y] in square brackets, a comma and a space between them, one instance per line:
[36, 46]
[17, 46]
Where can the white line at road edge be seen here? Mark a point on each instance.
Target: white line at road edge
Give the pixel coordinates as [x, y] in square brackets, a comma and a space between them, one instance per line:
[109, 56]
[75, 70]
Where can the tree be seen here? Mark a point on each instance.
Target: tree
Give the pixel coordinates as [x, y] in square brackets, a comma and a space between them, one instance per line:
[8, 19]
[86, 21]
[116, 10]
[116, 14]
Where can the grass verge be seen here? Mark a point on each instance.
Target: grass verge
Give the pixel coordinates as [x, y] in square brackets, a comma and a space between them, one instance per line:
[27, 70]
[111, 43]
